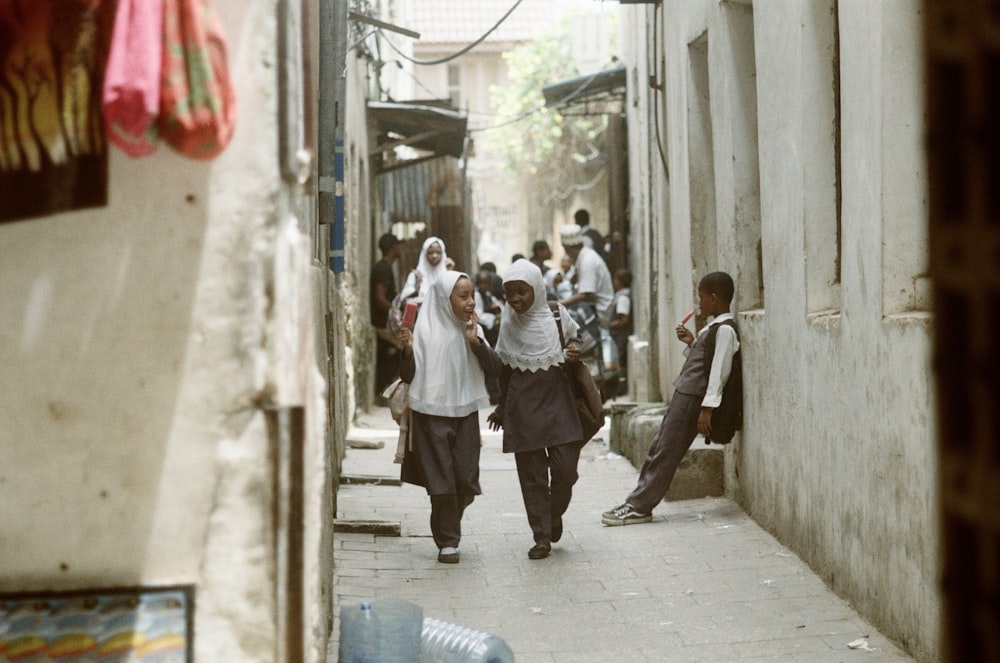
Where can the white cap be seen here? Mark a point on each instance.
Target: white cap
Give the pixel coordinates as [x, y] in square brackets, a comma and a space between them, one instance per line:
[571, 235]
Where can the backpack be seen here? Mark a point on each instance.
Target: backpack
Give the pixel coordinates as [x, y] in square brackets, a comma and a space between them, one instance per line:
[586, 395]
[728, 417]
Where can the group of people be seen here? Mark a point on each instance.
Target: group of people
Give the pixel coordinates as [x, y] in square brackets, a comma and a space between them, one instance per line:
[599, 301]
[448, 362]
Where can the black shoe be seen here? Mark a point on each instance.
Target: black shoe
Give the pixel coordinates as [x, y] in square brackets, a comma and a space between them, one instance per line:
[539, 551]
[556, 529]
[625, 515]
[448, 558]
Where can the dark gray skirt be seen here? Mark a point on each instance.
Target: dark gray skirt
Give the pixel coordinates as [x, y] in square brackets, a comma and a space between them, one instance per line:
[445, 454]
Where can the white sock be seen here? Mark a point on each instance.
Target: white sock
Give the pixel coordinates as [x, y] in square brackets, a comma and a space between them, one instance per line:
[449, 551]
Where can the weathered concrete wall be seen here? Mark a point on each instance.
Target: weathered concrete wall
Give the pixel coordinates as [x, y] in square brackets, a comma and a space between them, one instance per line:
[362, 230]
[647, 194]
[634, 426]
[836, 454]
[141, 340]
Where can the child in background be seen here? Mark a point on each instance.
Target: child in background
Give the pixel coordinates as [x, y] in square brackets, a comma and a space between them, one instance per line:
[697, 392]
[537, 411]
[431, 265]
[445, 360]
[563, 281]
[621, 317]
[488, 307]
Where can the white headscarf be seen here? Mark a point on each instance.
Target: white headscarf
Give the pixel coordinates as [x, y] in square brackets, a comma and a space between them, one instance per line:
[449, 381]
[530, 340]
[428, 273]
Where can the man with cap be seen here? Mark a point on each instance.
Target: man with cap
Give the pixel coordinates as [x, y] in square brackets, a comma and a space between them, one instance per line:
[382, 292]
[592, 284]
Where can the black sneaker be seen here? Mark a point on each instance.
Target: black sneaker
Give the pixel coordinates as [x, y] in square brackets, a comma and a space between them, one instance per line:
[609, 514]
[625, 515]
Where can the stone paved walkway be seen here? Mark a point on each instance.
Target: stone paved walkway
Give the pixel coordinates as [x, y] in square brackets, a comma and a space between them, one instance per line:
[702, 582]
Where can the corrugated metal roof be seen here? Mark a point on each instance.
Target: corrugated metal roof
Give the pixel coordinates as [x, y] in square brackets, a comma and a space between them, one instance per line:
[436, 130]
[464, 21]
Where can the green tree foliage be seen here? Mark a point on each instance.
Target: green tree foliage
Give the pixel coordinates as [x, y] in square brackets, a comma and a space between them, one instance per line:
[543, 142]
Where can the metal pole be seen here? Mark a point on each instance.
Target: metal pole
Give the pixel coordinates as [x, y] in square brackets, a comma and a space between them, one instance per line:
[332, 96]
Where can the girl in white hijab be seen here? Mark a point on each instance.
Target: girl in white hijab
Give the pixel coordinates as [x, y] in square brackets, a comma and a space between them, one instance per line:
[445, 360]
[431, 265]
[537, 411]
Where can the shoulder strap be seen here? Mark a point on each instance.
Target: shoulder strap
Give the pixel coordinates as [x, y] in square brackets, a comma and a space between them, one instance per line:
[710, 342]
[555, 314]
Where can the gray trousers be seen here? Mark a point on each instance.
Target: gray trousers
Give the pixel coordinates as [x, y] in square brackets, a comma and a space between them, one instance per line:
[546, 502]
[446, 518]
[677, 431]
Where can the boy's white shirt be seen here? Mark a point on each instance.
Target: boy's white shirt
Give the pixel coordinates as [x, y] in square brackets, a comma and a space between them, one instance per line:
[726, 345]
[486, 318]
[623, 301]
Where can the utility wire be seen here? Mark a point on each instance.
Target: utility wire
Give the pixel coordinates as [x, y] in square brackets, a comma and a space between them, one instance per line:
[459, 53]
[532, 111]
[656, 91]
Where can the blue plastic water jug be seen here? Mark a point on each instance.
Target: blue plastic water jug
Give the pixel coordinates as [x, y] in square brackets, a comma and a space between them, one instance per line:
[380, 631]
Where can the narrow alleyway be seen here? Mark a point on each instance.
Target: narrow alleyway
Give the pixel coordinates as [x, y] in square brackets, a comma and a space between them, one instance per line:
[702, 582]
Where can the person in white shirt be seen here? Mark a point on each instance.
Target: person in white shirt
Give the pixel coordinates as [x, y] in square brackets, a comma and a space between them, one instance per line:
[621, 321]
[592, 285]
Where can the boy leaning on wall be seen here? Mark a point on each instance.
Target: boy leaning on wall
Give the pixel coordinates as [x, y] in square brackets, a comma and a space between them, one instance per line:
[709, 385]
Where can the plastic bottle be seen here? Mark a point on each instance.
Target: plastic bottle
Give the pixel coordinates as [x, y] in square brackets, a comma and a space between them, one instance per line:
[442, 642]
[358, 639]
[380, 631]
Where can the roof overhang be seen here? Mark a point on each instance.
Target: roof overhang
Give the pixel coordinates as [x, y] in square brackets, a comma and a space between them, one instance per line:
[602, 86]
[440, 131]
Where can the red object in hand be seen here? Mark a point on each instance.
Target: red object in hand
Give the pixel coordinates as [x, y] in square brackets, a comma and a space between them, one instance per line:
[688, 317]
[409, 315]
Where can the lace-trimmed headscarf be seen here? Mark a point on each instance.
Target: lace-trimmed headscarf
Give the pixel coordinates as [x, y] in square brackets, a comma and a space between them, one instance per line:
[530, 341]
[449, 381]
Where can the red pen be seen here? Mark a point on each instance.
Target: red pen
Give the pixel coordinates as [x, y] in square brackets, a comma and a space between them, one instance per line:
[688, 317]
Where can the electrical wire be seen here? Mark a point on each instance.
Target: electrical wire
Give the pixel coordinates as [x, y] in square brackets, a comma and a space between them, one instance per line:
[459, 53]
[531, 111]
[576, 188]
[656, 92]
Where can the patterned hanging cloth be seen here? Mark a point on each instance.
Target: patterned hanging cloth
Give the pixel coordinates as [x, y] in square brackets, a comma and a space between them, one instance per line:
[53, 155]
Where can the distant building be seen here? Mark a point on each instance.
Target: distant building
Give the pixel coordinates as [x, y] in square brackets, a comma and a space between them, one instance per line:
[498, 210]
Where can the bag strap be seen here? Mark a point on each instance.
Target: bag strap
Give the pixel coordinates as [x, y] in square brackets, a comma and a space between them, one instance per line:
[710, 342]
[555, 314]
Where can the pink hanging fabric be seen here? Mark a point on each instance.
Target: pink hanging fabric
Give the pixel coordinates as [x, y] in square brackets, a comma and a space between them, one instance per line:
[132, 79]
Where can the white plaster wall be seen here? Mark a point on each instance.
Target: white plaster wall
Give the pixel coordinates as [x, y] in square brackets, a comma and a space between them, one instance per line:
[139, 340]
[836, 457]
[646, 179]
